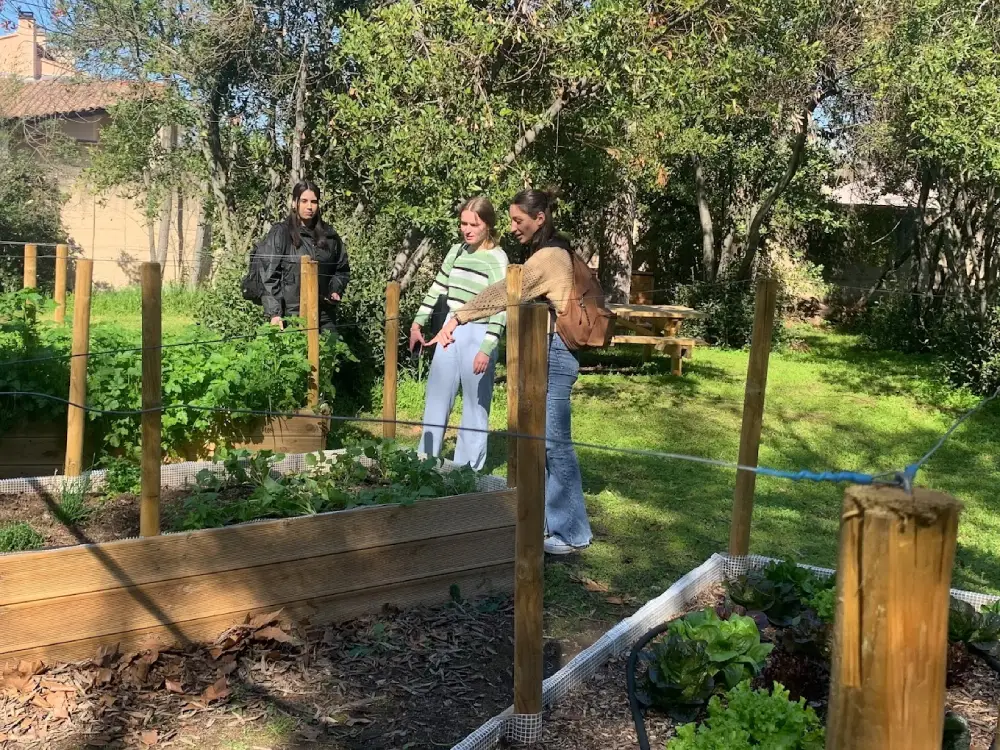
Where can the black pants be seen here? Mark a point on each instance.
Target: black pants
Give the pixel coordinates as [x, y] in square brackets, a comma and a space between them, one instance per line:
[327, 316]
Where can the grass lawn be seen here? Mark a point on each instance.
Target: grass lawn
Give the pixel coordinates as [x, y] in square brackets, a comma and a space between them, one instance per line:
[831, 404]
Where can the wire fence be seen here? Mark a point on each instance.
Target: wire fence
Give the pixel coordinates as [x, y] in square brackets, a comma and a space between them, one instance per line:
[903, 476]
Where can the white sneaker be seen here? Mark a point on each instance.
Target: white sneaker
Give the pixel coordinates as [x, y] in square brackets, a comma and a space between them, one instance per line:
[554, 545]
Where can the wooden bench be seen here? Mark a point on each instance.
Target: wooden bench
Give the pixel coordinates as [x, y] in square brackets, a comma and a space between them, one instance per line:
[679, 347]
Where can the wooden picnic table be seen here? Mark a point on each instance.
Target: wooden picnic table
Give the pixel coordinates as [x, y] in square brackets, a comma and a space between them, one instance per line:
[656, 327]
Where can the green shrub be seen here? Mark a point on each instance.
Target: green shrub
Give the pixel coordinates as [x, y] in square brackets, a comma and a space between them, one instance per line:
[967, 341]
[701, 651]
[730, 307]
[19, 536]
[122, 475]
[753, 719]
[268, 372]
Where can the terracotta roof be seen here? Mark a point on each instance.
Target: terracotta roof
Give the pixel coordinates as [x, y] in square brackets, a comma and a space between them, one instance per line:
[27, 99]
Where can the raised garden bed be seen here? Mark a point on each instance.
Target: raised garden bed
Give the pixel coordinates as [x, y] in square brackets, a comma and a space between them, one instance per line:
[324, 567]
[586, 701]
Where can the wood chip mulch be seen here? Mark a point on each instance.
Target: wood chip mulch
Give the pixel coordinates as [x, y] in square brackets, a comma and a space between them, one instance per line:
[418, 679]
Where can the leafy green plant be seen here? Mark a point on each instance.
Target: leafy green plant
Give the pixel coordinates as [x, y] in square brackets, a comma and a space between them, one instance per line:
[733, 644]
[18, 537]
[824, 604]
[122, 476]
[700, 652]
[808, 634]
[373, 473]
[978, 629]
[680, 676]
[747, 718]
[781, 590]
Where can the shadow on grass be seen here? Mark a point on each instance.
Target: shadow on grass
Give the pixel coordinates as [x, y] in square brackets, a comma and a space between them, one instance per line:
[857, 368]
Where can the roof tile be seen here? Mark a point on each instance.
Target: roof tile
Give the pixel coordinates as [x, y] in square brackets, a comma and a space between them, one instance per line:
[28, 99]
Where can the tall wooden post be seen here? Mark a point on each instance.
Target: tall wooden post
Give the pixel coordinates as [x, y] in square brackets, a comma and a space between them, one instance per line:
[891, 628]
[149, 509]
[530, 530]
[391, 360]
[513, 368]
[309, 310]
[62, 263]
[76, 418]
[753, 415]
[30, 267]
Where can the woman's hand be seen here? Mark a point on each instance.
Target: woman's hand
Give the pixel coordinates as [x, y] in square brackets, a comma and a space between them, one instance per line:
[416, 337]
[480, 363]
[334, 297]
[444, 337]
[277, 321]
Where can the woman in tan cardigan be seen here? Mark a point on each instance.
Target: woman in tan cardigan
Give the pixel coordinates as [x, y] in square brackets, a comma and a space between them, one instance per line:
[547, 274]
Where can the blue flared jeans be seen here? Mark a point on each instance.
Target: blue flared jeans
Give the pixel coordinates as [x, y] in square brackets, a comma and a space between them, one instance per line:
[565, 510]
[451, 369]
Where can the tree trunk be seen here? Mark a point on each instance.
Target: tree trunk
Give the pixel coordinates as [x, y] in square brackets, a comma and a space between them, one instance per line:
[181, 262]
[168, 141]
[708, 260]
[202, 253]
[618, 248]
[166, 216]
[414, 263]
[764, 209]
[300, 118]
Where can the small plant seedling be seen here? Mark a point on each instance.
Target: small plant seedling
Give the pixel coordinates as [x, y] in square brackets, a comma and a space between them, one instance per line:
[73, 507]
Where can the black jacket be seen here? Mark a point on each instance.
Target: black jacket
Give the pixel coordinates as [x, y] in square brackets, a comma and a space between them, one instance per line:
[280, 264]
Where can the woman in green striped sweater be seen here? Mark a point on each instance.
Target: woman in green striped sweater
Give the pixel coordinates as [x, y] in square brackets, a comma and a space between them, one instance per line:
[470, 267]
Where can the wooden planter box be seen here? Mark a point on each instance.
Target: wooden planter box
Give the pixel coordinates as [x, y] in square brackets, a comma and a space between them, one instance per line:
[39, 450]
[63, 604]
[33, 450]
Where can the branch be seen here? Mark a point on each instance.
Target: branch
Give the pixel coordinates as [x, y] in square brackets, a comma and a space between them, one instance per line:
[563, 96]
[762, 211]
[705, 218]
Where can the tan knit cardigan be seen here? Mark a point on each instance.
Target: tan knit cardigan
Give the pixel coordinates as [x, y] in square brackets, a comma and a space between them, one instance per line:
[548, 273]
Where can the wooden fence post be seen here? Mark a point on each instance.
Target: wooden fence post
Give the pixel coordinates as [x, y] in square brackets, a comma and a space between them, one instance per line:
[753, 415]
[62, 263]
[513, 368]
[891, 628]
[76, 417]
[309, 310]
[30, 267]
[529, 563]
[149, 508]
[391, 360]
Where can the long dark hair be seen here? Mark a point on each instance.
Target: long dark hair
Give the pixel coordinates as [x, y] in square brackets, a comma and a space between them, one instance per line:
[294, 221]
[534, 202]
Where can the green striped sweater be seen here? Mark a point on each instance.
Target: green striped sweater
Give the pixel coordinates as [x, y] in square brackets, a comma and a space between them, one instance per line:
[464, 274]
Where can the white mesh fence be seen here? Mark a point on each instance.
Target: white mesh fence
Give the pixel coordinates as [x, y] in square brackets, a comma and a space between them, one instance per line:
[674, 602]
[180, 475]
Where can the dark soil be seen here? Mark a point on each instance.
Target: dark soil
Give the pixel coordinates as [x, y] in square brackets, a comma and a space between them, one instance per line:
[109, 519]
[417, 679]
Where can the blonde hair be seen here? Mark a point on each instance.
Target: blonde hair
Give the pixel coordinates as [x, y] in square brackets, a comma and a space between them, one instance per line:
[482, 207]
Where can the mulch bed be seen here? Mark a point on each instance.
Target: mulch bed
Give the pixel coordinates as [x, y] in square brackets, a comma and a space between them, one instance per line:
[416, 679]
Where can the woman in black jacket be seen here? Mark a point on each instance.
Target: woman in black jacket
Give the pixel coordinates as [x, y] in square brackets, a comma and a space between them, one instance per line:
[303, 233]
